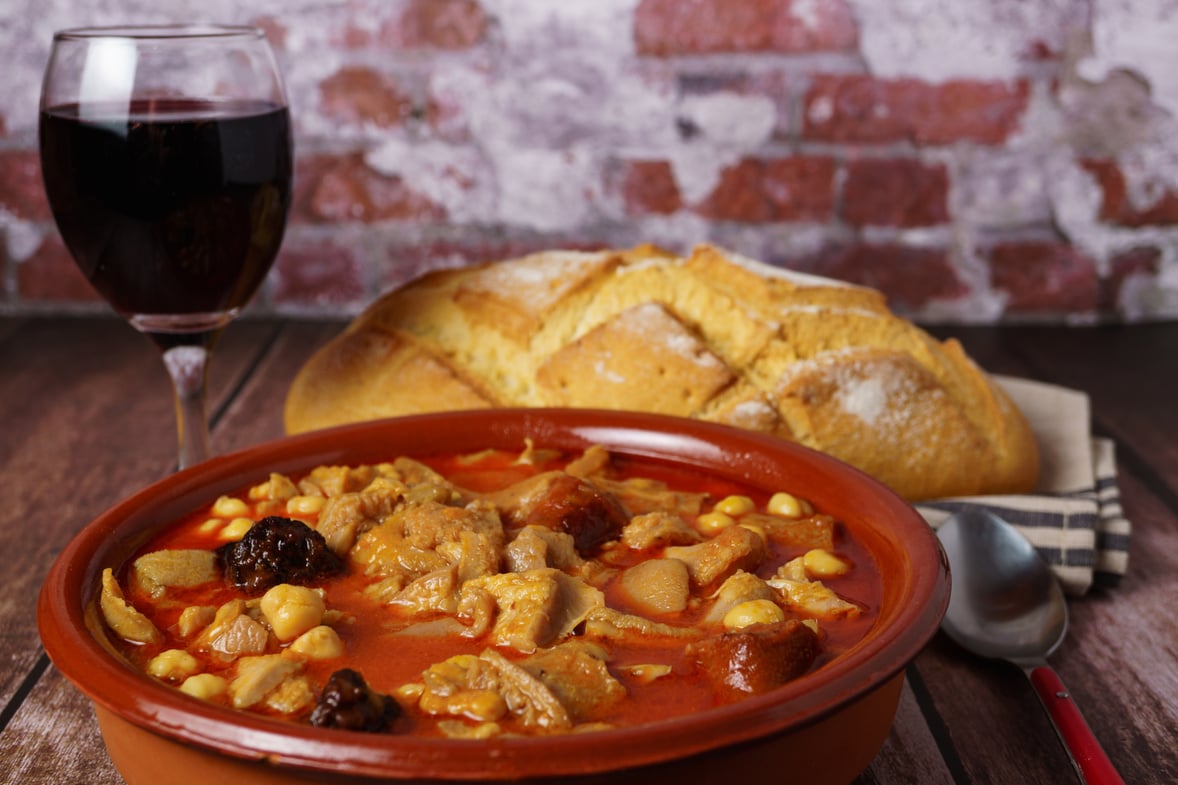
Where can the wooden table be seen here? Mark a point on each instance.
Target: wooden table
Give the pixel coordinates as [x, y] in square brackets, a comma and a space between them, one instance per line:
[86, 419]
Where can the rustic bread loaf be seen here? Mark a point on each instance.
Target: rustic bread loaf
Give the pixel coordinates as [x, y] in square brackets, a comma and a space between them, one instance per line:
[712, 335]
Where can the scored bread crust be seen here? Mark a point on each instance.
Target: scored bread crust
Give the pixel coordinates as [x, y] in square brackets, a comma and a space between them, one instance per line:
[712, 335]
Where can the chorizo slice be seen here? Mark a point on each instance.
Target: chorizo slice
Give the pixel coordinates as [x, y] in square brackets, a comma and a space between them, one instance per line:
[754, 659]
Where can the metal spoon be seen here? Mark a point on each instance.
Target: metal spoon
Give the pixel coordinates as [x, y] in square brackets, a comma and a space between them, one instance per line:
[1006, 604]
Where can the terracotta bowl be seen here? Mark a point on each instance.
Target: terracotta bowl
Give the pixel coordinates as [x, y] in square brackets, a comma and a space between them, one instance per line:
[822, 728]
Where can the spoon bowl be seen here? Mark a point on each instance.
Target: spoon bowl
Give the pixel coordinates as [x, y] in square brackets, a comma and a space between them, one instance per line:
[1007, 604]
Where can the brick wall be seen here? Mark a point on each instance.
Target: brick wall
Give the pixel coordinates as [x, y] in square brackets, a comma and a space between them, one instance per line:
[1002, 160]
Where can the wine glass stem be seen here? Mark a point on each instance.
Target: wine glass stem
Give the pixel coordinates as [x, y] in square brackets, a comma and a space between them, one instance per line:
[188, 367]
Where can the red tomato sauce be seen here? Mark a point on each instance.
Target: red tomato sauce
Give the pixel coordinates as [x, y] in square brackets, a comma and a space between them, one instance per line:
[389, 660]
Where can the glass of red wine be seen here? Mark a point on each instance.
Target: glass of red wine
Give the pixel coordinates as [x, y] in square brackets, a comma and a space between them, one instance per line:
[166, 153]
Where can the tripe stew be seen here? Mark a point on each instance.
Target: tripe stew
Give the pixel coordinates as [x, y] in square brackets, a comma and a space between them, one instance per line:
[497, 593]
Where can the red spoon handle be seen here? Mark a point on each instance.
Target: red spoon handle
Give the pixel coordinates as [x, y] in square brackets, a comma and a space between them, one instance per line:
[1091, 763]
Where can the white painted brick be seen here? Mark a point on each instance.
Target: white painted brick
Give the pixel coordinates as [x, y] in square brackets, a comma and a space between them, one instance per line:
[939, 40]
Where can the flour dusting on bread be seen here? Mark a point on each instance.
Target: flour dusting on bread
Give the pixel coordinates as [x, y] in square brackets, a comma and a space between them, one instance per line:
[867, 399]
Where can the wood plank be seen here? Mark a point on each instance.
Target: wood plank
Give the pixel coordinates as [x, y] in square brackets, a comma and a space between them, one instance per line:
[989, 713]
[54, 739]
[1118, 660]
[1124, 672]
[9, 327]
[988, 346]
[992, 719]
[909, 748]
[75, 442]
[255, 414]
[1131, 376]
[140, 440]
[62, 396]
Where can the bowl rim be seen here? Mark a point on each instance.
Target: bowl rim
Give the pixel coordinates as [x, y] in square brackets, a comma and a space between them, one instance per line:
[71, 634]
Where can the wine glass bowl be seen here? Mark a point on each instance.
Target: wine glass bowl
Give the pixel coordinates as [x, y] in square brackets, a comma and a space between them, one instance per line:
[166, 154]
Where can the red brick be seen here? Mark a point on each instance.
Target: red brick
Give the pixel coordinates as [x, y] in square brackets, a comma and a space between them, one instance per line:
[352, 37]
[1115, 205]
[437, 24]
[687, 27]
[895, 192]
[318, 273]
[783, 189]
[858, 108]
[910, 277]
[50, 275]
[1040, 50]
[344, 189]
[1141, 261]
[649, 187]
[22, 192]
[361, 95]
[1044, 277]
[355, 24]
[1113, 189]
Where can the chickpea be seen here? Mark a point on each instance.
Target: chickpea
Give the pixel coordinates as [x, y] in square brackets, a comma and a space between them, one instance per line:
[292, 610]
[210, 526]
[788, 506]
[205, 686]
[735, 505]
[173, 665]
[752, 612]
[305, 505]
[236, 529]
[318, 643]
[229, 507]
[712, 523]
[821, 563]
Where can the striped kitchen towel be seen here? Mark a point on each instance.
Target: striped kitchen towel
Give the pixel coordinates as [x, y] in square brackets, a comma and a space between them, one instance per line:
[1074, 517]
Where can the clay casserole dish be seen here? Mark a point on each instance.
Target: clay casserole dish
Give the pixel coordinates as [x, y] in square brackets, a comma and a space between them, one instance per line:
[824, 727]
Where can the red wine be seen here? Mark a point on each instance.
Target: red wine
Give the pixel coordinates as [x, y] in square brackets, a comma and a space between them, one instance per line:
[170, 207]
